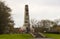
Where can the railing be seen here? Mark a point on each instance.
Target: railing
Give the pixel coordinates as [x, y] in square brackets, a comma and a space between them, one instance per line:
[38, 35]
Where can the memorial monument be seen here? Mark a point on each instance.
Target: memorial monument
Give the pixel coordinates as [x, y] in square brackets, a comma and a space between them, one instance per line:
[26, 19]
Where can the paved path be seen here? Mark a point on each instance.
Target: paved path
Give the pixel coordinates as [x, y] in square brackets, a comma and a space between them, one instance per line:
[41, 38]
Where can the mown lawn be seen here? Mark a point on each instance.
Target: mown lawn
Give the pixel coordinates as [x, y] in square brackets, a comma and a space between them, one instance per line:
[16, 36]
[54, 36]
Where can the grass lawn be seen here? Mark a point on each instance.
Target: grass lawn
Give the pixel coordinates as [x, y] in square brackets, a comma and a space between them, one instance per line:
[15, 36]
[54, 36]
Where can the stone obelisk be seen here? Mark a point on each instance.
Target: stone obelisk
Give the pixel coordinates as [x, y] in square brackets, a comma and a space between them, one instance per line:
[26, 19]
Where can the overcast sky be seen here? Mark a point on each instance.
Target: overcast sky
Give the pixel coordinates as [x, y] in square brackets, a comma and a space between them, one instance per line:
[38, 9]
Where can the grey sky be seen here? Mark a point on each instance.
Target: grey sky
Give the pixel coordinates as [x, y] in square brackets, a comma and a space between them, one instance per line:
[38, 9]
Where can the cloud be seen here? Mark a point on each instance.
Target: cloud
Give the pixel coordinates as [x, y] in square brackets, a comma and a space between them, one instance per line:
[39, 9]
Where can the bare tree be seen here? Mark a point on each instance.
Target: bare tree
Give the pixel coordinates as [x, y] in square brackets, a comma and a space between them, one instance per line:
[43, 25]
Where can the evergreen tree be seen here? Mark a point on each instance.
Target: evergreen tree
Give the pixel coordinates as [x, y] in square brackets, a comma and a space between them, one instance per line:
[5, 19]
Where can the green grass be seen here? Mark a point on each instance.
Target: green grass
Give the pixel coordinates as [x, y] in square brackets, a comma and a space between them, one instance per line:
[54, 36]
[16, 36]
